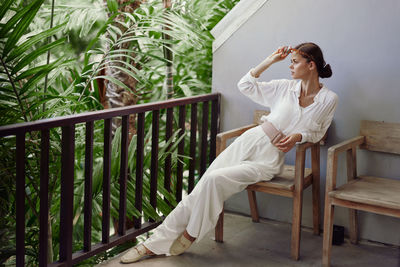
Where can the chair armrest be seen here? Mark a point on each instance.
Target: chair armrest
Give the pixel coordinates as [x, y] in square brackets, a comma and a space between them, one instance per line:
[333, 151]
[224, 136]
[346, 145]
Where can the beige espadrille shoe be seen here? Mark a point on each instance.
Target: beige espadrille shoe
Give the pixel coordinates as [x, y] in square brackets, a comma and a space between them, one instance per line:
[135, 254]
[180, 245]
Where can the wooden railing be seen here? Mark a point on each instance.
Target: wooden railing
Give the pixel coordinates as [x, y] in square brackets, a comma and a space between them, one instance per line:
[68, 257]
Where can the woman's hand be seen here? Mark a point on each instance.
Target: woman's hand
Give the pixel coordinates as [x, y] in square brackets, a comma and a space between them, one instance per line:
[288, 142]
[280, 54]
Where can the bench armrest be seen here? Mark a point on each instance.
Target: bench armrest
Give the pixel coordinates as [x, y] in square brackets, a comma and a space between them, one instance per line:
[331, 170]
[224, 136]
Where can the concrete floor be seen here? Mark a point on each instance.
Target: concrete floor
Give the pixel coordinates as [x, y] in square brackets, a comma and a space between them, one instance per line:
[268, 244]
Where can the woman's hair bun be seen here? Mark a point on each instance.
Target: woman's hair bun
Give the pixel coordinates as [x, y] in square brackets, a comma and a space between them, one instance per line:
[313, 52]
[326, 71]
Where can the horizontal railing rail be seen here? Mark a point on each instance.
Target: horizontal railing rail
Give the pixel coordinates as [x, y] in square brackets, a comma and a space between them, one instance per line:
[68, 257]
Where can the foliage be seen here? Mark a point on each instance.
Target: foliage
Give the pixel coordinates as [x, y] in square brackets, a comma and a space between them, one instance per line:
[81, 41]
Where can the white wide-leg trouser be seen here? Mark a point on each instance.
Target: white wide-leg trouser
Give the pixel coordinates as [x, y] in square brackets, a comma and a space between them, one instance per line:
[249, 159]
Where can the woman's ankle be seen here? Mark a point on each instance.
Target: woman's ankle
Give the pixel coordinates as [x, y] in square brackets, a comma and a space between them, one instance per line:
[148, 251]
[188, 237]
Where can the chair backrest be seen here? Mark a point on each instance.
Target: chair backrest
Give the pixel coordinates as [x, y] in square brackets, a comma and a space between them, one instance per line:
[381, 136]
[258, 114]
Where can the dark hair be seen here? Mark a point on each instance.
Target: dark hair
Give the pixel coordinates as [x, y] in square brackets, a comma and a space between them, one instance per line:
[312, 52]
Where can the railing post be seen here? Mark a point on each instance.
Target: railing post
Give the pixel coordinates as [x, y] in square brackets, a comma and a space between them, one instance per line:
[168, 135]
[214, 128]
[204, 145]
[137, 222]
[181, 148]
[87, 228]
[106, 182]
[123, 175]
[154, 159]
[44, 198]
[193, 132]
[20, 201]
[67, 193]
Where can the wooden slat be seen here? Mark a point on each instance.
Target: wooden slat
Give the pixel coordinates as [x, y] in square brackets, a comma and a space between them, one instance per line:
[20, 200]
[381, 136]
[137, 222]
[270, 190]
[87, 228]
[285, 180]
[192, 160]
[214, 128]
[181, 147]
[123, 176]
[67, 193]
[154, 159]
[371, 190]
[365, 207]
[204, 143]
[44, 197]
[167, 164]
[106, 182]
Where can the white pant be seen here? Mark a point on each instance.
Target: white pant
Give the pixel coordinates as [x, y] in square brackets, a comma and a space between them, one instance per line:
[249, 159]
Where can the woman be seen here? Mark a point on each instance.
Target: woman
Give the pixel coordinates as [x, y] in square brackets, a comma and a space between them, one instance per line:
[301, 111]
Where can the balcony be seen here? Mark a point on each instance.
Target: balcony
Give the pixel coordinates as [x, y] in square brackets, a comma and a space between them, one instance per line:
[246, 243]
[267, 244]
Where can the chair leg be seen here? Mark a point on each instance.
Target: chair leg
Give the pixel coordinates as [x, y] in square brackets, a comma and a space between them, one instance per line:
[316, 207]
[353, 227]
[296, 224]
[219, 228]
[253, 205]
[328, 229]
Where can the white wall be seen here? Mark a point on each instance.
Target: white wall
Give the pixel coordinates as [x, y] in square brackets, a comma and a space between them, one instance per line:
[361, 41]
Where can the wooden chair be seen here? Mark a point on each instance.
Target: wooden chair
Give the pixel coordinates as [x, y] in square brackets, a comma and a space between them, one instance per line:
[367, 193]
[290, 183]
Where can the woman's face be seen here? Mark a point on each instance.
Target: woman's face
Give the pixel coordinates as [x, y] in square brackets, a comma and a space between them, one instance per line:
[299, 67]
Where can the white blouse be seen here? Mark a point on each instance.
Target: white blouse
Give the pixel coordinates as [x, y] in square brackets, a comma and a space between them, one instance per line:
[282, 97]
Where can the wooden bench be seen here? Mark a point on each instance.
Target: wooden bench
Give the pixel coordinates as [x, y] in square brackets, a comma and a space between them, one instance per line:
[290, 183]
[364, 192]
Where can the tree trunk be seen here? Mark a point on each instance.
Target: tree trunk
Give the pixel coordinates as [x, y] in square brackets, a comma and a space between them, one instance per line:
[116, 96]
[168, 55]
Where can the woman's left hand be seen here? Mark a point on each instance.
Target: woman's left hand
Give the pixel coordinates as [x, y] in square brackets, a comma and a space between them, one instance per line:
[288, 142]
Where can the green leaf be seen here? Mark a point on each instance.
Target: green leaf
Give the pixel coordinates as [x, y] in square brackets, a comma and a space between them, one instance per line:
[11, 23]
[112, 5]
[35, 70]
[28, 59]
[22, 25]
[5, 7]
[32, 41]
[40, 74]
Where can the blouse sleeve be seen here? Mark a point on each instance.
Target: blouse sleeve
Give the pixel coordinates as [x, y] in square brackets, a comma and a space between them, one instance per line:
[264, 93]
[315, 131]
